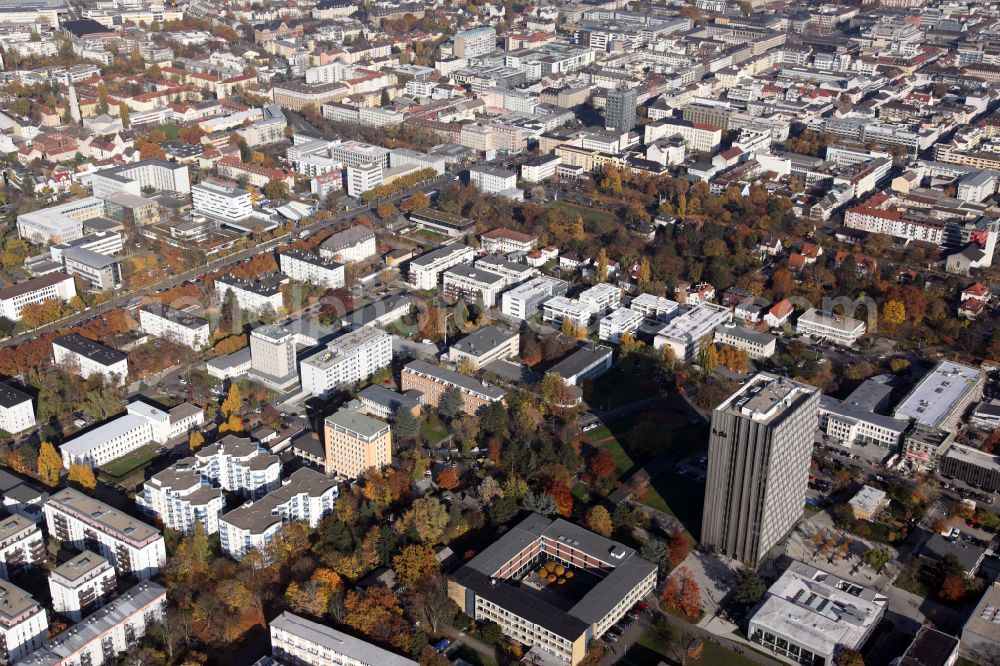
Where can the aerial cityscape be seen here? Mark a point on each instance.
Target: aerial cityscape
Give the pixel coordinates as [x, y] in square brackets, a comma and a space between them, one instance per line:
[575, 333]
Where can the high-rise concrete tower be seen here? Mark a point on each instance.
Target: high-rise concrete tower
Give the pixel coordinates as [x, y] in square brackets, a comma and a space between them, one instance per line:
[758, 466]
[619, 108]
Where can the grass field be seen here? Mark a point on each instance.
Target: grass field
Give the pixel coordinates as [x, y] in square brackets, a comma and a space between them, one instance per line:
[588, 214]
[121, 467]
[679, 496]
[651, 650]
[433, 434]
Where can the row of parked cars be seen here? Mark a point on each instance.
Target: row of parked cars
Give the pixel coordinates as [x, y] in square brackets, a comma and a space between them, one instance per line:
[613, 634]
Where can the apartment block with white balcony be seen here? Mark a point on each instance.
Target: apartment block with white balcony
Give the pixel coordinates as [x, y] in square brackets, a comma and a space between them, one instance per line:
[654, 307]
[23, 623]
[559, 308]
[296, 640]
[180, 497]
[174, 325]
[350, 358]
[464, 281]
[820, 325]
[17, 413]
[102, 637]
[492, 179]
[81, 585]
[425, 270]
[22, 546]
[306, 496]
[618, 323]
[309, 268]
[238, 465]
[601, 297]
[132, 546]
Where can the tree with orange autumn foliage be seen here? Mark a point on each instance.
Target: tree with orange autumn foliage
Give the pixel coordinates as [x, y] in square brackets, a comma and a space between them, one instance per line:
[683, 593]
[601, 464]
[563, 497]
[149, 150]
[448, 478]
[679, 548]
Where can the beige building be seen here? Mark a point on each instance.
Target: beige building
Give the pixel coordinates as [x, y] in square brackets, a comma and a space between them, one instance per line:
[355, 442]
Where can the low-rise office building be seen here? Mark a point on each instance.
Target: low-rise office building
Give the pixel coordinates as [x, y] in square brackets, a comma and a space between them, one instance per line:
[174, 325]
[559, 308]
[601, 297]
[809, 615]
[99, 271]
[502, 585]
[941, 398]
[81, 585]
[690, 330]
[352, 357]
[485, 345]
[353, 244]
[432, 381]
[757, 345]
[384, 403]
[304, 267]
[618, 323]
[306, 496]
[588, 362]
[839, 329]
[53, 286]
[525, 300]
[355, 442]
[654, 307]
[868, 503]
[221, 201]
[132, 546]
[971, 466]
[505, 241]
[848, 424]
[86, 357]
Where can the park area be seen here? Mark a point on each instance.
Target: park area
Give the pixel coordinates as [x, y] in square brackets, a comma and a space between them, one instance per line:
[651, 649]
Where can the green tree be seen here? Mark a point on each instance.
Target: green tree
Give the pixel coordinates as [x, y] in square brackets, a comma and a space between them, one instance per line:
[102, 97]
[657, 551]
[450, 405]
[750, 588]
[708, 356]
[406, 424]
[49, 464]
[276, 189]
[123, 115]
[876, 558]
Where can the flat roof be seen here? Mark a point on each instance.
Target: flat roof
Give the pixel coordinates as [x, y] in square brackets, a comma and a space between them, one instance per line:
[440, 253]
[470, 384]
[931, 647]
[94, 351]
[480, 275]
[818, 610]
[14, 601]
[80, 565]
[581, 360]
[356, 422]
[111, 520]
[174, 315]
[337, 641]
[34, 284]
[258, 516]
[767, 398]
[13, 524]
[84, 443]
[867, 499]
[985, 619]
[484, 340]
[933, 399]
[385, 397]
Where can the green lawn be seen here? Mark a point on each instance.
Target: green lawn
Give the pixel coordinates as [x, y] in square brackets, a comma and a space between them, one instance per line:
[588, 214]
[434, 434]
[651, 650]
[130, 462]
[473, 657]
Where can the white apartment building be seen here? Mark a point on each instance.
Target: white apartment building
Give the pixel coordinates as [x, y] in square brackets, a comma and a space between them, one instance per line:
[174, 325]
[492, 179]
[132, 546]
[758, 346]
[559, 308]
[654, 307]
[894, 223]
[102, 242]
[470, 282]
[687, 332]
[425, 269]
[540, 168]
[504, 241]
[59, 224]
[525, 300]
[23, 623]
[99, 639]
[511, 272]
[355, 243]
[363, 177]
[618, 323]
[836, 328]
[54, 286]
[133, 178]
[297, 640]
[312, 269]
[601, 297]
[253, 295]
[238, 465]
[354, 153]
[180, 497]
[17, 413]
[306, 496]
[352, 357]
[221, 201]
[22, 546]
[474, 42]
[140, 425]
[86, 357]
[80, 586]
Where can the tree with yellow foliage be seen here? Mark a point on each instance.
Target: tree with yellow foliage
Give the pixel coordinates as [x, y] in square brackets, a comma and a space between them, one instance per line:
[233, 402]
[234, 425]
[196, 441]
[82, 476]
[49, 464]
